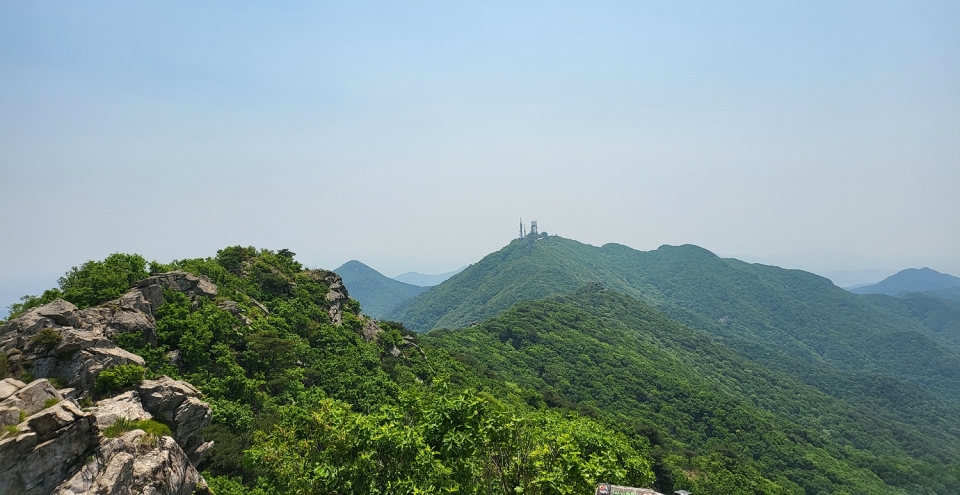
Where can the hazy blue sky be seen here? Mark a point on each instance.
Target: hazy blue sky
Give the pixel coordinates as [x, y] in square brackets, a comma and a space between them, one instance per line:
[815, 135]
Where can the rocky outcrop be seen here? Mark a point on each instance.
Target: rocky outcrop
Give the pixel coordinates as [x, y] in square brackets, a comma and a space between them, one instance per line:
[337, 293]
[50, 445]
[46, 449]
[136, 463]
[58, 341]
[178, 403]
[179, 281]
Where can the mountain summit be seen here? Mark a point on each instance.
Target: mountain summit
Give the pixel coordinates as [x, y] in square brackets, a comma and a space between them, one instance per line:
[910, 280]
[377, 293]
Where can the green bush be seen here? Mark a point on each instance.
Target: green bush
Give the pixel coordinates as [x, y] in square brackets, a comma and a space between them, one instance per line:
[119, 377]
[47, 338]
[100, 281]
[4, 366]
[52, 401]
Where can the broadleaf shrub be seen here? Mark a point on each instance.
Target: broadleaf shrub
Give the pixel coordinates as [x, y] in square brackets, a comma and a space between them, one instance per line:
[119, 377]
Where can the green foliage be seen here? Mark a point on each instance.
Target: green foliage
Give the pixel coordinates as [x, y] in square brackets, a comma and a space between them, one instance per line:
[50, 402]
[151, 427]
[460, 441]
[93, 283]
[47, 338]
[4, 366]
[715, 418]
[99, 281]
[11, 430]
[119, 377]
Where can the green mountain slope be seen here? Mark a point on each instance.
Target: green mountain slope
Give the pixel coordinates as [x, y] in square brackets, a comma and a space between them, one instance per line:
[911, 280]
[939, 315]
[377, 293]
[621, 360]
[788, 321]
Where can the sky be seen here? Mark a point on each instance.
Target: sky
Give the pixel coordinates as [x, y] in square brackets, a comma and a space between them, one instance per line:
[413, 135]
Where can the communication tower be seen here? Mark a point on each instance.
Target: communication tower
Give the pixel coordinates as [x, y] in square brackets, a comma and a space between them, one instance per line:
[533, 229]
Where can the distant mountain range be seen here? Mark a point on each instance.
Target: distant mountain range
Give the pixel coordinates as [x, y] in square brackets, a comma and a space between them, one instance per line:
[424, 280]
[377, 293]
[913, 280]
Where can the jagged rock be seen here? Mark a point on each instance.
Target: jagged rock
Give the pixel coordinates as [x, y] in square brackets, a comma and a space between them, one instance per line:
[32, 397]
[9, 386]
[165, 395]
[54, 418]
[337, 293]
[192, 416]
[61, 312]
[180, 281]
[9, 416]
[49, 448]
[70, 393]
[126, 405]
[135, 463]
[370, 330]
[130, 313]
[46, 454]
[84, 366]
[18, 333]
[82, 351]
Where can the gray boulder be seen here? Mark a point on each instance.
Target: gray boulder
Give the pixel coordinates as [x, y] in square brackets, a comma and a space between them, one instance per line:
[126, 405]
[32, 397]
[136, 463]
[49, 447]
[180, 281]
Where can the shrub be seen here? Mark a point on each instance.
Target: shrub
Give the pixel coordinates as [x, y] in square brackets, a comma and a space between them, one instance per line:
[47, 338]
[52, 401]
[4, 366]
[119, 377]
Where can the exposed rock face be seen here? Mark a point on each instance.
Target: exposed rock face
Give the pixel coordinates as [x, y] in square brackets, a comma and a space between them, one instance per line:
[40, 342]
[336, 293]
[126, 405]
[136, 463]
[49, 446]
[370, 330]
[179, 281]
[60, 449]
[177, 402]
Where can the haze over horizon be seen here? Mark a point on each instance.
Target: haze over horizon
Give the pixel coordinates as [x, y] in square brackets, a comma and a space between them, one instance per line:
[820, 136]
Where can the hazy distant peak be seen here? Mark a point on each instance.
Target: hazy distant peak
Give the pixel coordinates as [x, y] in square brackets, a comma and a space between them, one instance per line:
[910, 280]
[425, 280]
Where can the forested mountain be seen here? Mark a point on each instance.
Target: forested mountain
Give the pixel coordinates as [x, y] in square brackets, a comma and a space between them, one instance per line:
[700, 403]
[789, 321]
[911, 280]
[377, 293]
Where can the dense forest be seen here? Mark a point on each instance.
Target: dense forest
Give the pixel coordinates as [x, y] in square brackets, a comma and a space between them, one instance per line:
[672, 372]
